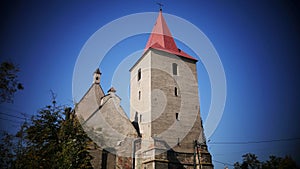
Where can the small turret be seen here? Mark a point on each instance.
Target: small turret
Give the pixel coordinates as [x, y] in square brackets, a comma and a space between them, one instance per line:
[112, 90]
[97, 75]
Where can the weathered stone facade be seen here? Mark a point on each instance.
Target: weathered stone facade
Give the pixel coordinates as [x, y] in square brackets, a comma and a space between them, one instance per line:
[173, 122]
[165, 127]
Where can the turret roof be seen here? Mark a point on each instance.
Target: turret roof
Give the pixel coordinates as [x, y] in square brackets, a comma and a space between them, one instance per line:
[161, 39]
[97, 71]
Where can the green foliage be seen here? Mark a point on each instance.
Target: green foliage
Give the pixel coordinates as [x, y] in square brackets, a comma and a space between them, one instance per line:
[74, 152]
[280, 163]
[53, 138]
[250, 161]
[9, 84]
[42, 137]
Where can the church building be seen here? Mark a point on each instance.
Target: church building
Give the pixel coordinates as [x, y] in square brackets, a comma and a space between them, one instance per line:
[164, 129]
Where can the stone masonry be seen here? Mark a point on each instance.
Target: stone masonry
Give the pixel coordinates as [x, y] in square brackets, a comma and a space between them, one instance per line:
[164, 129]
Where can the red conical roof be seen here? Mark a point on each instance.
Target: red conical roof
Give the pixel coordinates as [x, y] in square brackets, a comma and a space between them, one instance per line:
[161, 39]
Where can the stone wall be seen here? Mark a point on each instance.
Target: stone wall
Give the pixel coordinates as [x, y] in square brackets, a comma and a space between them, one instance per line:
[186, 127]
[90, 102]
[140, 95]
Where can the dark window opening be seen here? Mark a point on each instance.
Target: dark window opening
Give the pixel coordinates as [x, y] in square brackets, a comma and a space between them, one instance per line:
[139, 95]
[108, 158]
[104, 159]
[140, 118]
[139, 74]
[177, 116]
[176, 91]
[97, 78]
[136, 117]
[174, 65]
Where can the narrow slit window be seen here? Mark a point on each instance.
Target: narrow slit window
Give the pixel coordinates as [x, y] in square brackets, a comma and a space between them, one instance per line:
[176, 91]
[136, 117]
[175, 71]
[139, 95]
[139, 74]
[141, 118]
[176, 116]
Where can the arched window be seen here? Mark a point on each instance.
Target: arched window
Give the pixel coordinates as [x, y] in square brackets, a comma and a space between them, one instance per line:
[139, 74]
[176, 115]
[174, 66]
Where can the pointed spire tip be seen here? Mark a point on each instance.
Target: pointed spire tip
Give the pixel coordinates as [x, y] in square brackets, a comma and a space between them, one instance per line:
[97, 71]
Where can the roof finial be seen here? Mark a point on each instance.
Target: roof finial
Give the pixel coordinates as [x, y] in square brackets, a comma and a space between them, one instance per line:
[160, 5]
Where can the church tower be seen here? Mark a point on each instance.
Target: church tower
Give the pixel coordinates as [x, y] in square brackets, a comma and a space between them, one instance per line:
[165, 104]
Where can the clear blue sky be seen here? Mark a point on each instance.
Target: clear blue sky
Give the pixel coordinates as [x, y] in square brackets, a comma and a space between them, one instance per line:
[258, 43]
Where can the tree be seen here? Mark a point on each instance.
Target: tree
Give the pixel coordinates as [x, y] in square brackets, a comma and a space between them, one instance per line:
[9, 83]
[237, 165]
[273, 162]
[250, 161]
[53, 139]
[279, 163]
[41, 139]
[288, 163]
[74, 141]
[6, 150]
